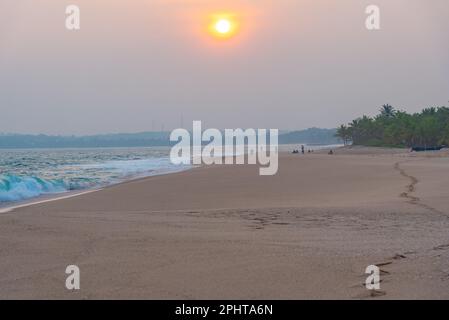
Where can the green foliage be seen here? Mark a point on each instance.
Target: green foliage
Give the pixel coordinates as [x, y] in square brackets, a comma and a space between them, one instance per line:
[398, 128]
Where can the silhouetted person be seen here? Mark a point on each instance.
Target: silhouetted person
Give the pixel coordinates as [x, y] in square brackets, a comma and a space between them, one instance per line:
[302, 149]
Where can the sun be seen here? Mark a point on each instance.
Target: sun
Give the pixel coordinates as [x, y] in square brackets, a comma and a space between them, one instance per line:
[223, 26]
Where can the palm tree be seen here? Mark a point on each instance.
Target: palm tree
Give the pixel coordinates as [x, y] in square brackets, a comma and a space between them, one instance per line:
[387, 111]
[343, 133]
[429, 111]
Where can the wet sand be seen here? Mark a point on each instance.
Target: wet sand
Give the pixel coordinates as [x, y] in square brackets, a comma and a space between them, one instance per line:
[224, 232]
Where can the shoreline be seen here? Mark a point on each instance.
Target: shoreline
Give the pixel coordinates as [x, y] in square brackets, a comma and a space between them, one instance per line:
[45, 199]
[11, 206]
[362, 150]
[49, 197]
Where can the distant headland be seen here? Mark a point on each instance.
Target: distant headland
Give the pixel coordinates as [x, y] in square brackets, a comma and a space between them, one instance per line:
[145, 139]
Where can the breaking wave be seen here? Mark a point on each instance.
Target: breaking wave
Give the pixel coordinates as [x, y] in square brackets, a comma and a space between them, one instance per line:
[13, 188]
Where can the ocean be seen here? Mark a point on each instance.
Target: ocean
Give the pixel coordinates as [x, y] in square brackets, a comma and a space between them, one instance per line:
[31, 173]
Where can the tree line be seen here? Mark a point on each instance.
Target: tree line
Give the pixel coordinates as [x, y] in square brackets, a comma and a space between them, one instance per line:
[396, 128]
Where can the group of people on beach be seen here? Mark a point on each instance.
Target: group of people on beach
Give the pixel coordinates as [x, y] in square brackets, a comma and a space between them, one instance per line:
[303, 151]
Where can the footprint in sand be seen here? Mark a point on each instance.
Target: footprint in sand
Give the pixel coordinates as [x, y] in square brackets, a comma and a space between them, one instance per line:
[377, 293]
[441, 247]
[399, 256]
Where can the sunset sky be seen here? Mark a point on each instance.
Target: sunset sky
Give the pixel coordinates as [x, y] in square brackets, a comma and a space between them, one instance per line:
[289, 64]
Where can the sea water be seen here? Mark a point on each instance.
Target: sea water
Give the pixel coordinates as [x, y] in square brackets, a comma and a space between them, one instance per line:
[30, 173]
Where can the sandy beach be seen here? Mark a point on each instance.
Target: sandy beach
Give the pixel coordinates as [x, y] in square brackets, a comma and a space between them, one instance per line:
[224, 232]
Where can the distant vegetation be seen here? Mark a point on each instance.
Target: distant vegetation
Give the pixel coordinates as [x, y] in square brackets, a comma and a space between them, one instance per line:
[310, 136]
[95, 141]
[396, 128]
[145, 139]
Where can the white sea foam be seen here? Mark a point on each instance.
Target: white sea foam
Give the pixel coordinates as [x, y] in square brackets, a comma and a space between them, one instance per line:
[27, 174]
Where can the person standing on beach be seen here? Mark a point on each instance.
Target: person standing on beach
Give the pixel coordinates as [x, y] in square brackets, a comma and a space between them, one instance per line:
[302, 149]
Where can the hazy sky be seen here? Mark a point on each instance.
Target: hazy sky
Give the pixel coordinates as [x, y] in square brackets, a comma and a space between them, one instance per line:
[137, 65]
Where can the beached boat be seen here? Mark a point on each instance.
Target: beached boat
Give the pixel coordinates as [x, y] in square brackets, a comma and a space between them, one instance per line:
[431, 148]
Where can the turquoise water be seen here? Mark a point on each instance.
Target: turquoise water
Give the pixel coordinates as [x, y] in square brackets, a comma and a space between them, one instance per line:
[26, 174]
